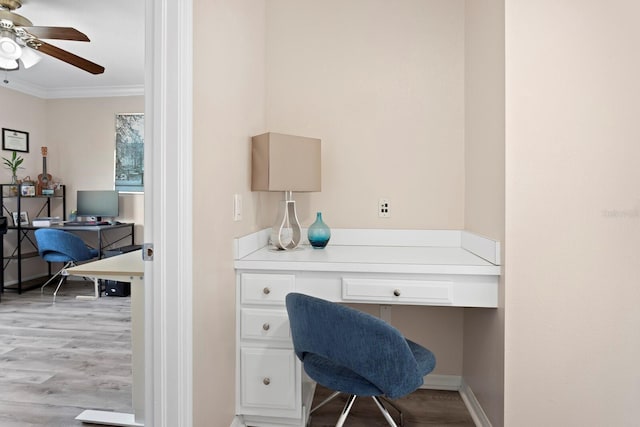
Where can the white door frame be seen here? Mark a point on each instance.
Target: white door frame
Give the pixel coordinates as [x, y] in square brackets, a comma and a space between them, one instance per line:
[168, 221]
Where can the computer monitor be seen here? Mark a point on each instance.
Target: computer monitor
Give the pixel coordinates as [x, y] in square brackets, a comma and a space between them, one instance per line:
[101, 204]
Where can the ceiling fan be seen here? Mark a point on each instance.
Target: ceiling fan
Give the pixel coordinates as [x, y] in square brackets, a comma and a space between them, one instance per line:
[20, 40]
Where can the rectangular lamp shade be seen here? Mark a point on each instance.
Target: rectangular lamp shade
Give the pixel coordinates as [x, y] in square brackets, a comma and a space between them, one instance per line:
[282, 162]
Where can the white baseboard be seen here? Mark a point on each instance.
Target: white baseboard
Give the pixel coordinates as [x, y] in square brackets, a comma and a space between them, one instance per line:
[237, 422]
[41, 276]
[473, 406]
[442, 382]
[26, 278]
[456, 383]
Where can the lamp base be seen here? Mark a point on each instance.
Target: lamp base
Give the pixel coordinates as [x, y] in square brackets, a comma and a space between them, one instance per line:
[285, 233]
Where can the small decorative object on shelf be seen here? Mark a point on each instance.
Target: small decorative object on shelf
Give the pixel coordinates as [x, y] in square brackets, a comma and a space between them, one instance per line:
[44, 179]
[28, 187]
[13, 164]
[21, 218]
[13, 187]
[319, 233]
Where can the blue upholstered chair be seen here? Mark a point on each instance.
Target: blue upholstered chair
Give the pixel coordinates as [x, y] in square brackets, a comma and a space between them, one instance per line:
[352, 352]
[60, 246]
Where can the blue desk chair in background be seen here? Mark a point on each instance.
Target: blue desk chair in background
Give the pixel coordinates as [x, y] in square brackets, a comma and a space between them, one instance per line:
[352, 352]
[61, 246]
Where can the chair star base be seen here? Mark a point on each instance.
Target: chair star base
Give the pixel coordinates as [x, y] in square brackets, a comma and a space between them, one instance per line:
[350, 401]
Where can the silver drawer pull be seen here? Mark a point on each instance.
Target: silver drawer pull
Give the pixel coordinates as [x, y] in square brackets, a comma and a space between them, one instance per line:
[266, 291]
[266, 381]
[396, 292]
[266, 326]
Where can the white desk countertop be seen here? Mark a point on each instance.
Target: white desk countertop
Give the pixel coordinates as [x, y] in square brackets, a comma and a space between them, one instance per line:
[456, 252]
[378, 259]
[120, 268]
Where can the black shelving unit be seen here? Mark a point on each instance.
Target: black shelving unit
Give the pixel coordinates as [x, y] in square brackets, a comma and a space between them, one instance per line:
[22, 235]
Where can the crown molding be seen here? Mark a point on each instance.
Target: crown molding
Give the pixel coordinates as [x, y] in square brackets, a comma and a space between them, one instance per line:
[74, 92]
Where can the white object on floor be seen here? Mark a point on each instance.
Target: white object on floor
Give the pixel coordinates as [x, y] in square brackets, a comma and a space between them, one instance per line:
[108, 418]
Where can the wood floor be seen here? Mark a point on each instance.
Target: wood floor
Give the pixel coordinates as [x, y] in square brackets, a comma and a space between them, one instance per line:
[420, 408]
[58, 359]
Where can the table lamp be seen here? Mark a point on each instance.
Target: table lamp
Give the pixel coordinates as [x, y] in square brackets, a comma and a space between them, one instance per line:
[285, 163]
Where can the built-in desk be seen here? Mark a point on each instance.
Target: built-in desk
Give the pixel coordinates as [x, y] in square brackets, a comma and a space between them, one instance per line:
[387, 267]
[127, 267]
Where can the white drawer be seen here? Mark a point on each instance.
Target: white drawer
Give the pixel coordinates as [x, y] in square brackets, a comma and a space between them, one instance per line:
[265, 288]
[264, 324]
[268, 380]
[398, 291]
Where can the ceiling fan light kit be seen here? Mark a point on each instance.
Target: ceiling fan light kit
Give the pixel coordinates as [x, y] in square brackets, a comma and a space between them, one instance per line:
[8, 64]
[19, 39]
[30, 58]
[9, 48]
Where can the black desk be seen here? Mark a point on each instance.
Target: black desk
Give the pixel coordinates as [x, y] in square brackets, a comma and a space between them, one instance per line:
[100, 230]
[25, 233]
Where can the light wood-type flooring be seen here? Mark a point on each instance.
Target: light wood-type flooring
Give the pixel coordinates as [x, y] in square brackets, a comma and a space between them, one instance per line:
[58, 359]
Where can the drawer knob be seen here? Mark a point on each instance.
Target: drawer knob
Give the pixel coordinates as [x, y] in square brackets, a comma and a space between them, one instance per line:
[266, 381]
[266, 291]
[266, 326]
[396, 292]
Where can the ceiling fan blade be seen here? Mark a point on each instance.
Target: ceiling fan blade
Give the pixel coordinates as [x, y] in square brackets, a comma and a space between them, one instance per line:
[68, 57]
[59, 33]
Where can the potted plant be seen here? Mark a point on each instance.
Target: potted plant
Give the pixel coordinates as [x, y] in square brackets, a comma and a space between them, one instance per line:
[13, 164]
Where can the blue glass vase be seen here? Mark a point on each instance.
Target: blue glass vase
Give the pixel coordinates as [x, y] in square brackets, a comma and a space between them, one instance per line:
[319, 233]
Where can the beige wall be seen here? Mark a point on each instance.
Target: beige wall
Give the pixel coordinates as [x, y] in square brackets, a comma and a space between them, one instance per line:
[484, 192]
[15, 116]
[382, 84]
[228, 109]
[572, 213]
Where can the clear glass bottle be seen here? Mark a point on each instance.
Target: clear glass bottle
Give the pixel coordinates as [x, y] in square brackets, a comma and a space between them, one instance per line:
[319, 233]
[14, 185]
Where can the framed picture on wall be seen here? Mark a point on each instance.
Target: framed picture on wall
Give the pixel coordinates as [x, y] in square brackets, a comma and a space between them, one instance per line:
[129, 153]
[15, 140]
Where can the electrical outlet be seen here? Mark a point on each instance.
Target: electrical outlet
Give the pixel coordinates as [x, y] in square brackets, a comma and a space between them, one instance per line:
[384, 208]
